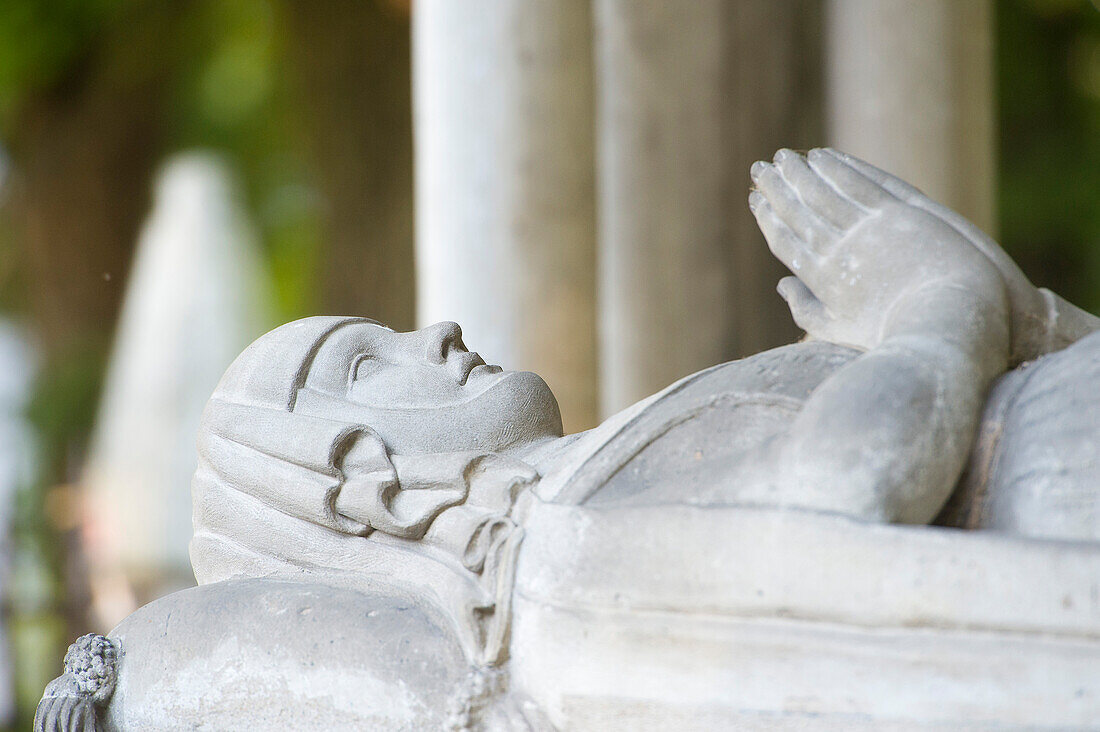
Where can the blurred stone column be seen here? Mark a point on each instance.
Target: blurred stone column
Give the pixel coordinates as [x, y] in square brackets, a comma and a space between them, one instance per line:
[505, 206]
[910, 89]
[689, 95]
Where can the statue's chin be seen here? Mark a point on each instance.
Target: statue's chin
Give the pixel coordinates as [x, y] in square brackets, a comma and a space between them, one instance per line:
[517, 409]
[525, 407]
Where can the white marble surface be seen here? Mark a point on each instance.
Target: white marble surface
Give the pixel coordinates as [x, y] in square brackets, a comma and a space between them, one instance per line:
[763, 619]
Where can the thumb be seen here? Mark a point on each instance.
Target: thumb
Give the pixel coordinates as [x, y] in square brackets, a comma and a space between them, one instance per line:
[808, 312]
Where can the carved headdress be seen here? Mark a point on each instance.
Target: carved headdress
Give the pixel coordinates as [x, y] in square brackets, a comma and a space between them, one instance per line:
[268, 478]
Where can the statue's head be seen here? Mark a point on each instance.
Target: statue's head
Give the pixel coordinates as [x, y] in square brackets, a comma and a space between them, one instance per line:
[424, 392]
[419, 410]
[420, 392]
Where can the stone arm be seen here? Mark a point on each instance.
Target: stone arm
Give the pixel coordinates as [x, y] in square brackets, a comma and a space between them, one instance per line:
[886, 437]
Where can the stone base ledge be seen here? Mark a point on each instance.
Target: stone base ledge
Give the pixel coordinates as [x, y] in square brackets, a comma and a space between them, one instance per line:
[747, 562]
[685, 618]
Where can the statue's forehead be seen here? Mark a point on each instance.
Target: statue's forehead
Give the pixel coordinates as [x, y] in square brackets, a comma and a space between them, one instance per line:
[340, 349]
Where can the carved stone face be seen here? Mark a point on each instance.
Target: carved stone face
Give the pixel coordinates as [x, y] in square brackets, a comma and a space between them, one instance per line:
[424, 392]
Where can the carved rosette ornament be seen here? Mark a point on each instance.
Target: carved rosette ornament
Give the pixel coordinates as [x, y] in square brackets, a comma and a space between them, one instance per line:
[73, 700]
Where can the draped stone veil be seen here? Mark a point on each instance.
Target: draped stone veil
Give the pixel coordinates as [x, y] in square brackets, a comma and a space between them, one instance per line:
[264, 497]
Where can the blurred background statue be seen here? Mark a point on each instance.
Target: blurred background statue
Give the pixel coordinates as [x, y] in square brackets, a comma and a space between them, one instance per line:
[195, 297]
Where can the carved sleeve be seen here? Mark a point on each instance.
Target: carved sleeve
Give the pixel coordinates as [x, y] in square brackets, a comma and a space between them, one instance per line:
[887, 436]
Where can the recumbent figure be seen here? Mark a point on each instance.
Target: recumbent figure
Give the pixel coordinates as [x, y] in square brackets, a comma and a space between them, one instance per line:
[338, 452]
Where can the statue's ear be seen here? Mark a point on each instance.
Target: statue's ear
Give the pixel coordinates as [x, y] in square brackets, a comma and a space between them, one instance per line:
[364, 452]
[401, 501]
[368, 477]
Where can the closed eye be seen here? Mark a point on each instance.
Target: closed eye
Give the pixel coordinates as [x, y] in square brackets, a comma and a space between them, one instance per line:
[363, 366]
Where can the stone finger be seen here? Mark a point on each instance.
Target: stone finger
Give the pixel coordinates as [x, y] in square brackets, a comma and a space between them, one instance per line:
[784, 201]
[893, 185]
[848, 181]
[817, 194]
[783, 243]
[807, 311]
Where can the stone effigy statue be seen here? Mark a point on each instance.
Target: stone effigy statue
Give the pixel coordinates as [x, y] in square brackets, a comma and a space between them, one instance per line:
[392, 534]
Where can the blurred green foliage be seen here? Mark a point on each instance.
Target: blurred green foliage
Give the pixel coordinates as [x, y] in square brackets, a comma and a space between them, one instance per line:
[224, 71]
[1049, 91]
[40, 40]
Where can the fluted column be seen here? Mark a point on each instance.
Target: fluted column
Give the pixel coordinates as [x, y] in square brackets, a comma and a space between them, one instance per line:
[505, 211]
[689, 94]
[910, 89]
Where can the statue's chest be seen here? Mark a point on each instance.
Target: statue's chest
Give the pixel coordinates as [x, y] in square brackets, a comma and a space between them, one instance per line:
[704, 452]
[706, 431]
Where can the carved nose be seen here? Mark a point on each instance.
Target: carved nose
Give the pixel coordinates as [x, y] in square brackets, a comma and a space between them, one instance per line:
[440, 339]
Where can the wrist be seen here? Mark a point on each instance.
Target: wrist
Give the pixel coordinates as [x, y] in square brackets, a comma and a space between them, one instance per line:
[1058, 324]
[970, 320]
[1034, 316]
